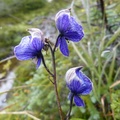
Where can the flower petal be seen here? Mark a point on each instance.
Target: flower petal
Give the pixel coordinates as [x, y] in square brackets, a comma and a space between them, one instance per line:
[75, 32]
[23, 51]
[58, 41]
[63, 22]
[74, 86]
[86, 88]
[64, 47]
[70, 95]
[71, 74]
[86, 84]
[37, 44]
[35, 32]
[78, 101]
[38, 63]
[74, 36]
[75, 26]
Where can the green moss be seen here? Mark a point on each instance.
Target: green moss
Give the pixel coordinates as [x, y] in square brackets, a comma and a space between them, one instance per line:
[26, 69]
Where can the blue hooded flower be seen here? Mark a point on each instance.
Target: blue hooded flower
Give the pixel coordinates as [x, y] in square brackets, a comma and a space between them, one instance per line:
[79, 84]
[30, 46]
[69, 29]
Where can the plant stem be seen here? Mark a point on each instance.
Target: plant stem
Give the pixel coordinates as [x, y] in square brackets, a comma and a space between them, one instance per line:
[46, 65]
[55, 87]
[68, 114]
[55, 82]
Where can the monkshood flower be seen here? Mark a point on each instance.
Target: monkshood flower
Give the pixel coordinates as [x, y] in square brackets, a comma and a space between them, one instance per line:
[79, 84]
[30, 46]
[69, 29]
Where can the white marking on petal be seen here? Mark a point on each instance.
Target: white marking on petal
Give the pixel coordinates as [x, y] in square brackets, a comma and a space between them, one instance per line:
[35, 32]
[71, 75]
[65, 11]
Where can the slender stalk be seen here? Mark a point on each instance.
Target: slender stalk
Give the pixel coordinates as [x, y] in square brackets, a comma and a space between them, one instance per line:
[46, 65]
[8, 58]
[55, 82]
[69, 112]
[104, 16]
[55, 86]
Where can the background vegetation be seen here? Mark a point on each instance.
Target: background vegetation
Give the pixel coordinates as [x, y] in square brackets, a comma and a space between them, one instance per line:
[32, 95]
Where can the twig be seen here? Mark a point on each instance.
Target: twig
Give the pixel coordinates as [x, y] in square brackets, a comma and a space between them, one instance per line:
[20, 113]
[7, 107]
[6, 59]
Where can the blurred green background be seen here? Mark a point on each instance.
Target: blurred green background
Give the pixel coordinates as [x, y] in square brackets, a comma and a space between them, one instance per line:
[27, 93]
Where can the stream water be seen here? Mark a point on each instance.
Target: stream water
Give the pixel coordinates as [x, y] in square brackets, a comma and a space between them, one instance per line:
[5, 85]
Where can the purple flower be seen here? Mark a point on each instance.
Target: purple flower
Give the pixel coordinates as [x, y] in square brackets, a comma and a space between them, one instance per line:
[79, 84]
[30, 46]
[69, 29]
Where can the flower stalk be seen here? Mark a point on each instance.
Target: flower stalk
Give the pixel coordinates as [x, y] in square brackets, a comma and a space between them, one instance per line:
[70, 109]
[55, 80]
[43, 61]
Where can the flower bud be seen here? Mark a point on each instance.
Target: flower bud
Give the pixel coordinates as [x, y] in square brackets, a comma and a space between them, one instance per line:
[78, 84]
